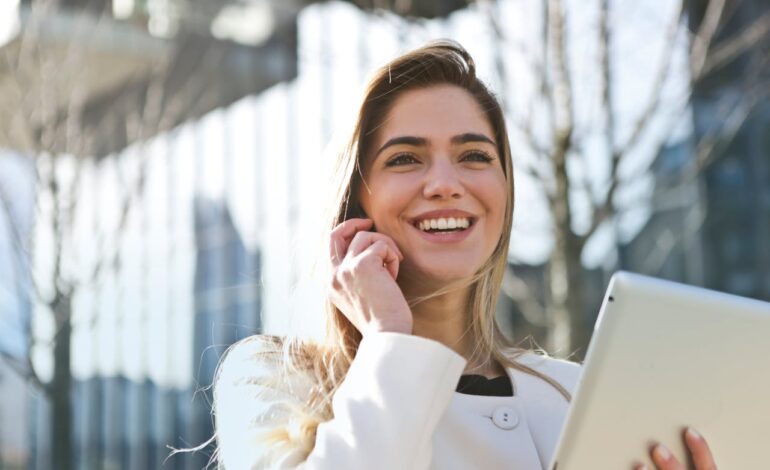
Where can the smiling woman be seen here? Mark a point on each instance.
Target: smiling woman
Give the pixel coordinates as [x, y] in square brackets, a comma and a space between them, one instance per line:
[414, 372]
[414, 367]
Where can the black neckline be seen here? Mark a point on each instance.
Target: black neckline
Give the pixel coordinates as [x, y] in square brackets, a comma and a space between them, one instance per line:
[475, 384]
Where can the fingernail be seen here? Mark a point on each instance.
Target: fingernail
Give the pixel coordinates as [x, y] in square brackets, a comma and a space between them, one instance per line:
[693, 434]
[661, 452]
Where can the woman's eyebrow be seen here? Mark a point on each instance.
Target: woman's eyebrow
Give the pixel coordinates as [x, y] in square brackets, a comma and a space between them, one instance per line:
[471, 137]
[405, 140]
[421, 141]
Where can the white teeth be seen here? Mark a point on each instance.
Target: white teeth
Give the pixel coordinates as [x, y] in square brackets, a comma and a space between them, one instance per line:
[449, 223]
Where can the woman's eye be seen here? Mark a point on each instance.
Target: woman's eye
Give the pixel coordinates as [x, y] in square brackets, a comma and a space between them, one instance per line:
[477, 157]
[402, 159]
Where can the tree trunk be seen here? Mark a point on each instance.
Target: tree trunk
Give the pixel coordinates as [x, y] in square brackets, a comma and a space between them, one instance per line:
[565, 270]
[565, 292]
[59, 390]
[576, 286]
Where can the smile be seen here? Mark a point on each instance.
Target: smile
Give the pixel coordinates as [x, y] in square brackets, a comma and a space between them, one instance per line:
[449, 224]
[463, 226]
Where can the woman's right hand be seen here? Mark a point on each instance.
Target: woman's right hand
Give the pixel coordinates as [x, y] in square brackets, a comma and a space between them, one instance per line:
[699, 451]
[363, 282]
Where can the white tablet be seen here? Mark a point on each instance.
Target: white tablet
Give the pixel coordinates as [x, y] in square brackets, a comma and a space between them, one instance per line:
[664, 356]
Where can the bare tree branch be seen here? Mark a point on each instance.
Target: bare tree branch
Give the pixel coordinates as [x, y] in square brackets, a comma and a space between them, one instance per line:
[561, 87]
[537, 169]
[732, 115]
[536, 67]
[605, 77]
[730, 49]
[701, 40]
[24, 368]
[604, 209]
[540, 153]
[518, 291]
[711, 144]
[654, 101]
[668, 241]
[561, 93]
[17, 241]
[540, 68]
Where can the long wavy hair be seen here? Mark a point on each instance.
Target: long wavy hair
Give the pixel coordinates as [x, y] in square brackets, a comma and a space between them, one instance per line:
[440, 62]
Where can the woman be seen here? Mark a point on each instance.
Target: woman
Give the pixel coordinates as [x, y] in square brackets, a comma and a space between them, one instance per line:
[414, 373]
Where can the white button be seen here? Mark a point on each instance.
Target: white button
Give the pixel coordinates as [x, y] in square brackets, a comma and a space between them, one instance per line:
[505, 418]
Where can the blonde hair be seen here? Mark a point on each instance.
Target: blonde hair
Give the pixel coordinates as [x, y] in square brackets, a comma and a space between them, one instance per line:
[437, 63]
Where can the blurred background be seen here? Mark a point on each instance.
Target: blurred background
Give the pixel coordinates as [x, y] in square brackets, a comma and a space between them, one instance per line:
[162, 163]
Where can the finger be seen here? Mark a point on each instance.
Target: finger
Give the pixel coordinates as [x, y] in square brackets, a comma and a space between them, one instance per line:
[392, 261]
[387, 256]
[664, 460]
[362, 240]
[343, 234]
[699, 448]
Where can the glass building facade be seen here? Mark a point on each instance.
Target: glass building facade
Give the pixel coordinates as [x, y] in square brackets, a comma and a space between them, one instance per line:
[711, 218]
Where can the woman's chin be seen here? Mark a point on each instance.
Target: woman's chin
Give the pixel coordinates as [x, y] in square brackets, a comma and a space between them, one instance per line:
[435, 275]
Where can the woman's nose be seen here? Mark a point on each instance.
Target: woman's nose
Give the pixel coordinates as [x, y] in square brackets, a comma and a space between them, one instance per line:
[442, 182]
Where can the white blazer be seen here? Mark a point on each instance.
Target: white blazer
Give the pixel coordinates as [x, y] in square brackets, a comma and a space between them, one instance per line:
[396, 409]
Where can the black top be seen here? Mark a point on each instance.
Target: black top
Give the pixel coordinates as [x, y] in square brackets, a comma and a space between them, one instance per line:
[473, 384]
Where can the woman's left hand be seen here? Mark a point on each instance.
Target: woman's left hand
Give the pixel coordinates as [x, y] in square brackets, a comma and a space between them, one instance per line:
[699, 450]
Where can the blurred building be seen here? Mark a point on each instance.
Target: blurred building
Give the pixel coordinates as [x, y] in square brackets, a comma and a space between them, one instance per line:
[227, 305]
[147, 334]
[737, 182]
[711, 219]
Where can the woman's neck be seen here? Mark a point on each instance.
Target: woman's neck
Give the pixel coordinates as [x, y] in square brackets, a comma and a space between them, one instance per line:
[446, 319]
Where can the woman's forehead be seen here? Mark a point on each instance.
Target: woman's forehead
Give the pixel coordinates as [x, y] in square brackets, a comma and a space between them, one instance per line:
[437, 114]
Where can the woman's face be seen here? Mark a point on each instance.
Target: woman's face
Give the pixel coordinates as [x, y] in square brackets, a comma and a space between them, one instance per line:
[434, 182]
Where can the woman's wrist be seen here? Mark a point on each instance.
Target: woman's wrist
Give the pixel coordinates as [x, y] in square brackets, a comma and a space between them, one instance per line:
[392, 326]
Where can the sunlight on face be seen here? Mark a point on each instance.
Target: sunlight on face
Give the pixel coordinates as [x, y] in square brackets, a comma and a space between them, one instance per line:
[434, 182]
